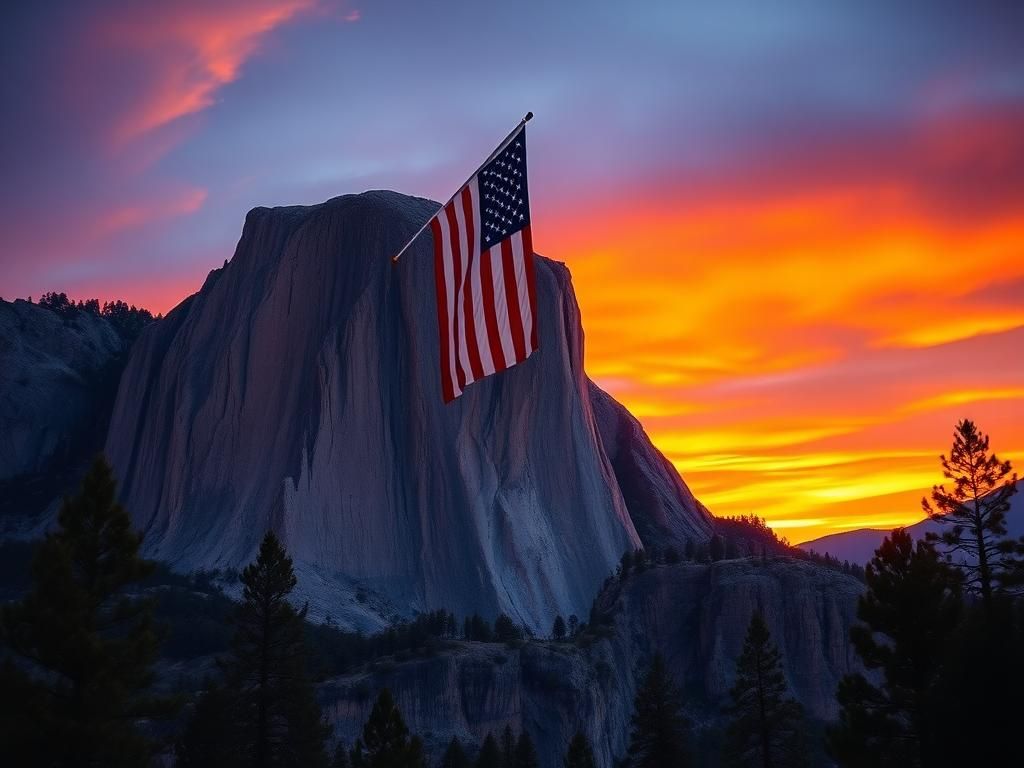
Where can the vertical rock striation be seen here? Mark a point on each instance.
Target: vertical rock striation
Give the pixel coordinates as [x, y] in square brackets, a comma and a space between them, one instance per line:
[299, 390]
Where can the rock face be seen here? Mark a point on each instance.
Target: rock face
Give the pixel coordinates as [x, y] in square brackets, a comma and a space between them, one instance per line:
[299, 391]
[695, 615]
[659, 502]
[57, 378]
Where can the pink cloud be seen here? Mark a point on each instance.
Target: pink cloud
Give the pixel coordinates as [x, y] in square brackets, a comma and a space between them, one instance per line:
[183, 53]
[135, 215]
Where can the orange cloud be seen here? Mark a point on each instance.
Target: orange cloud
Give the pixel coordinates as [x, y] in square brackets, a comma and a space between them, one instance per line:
[824, 322]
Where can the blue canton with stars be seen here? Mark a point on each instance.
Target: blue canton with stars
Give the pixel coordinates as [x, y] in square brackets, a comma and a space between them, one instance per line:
[504, 198]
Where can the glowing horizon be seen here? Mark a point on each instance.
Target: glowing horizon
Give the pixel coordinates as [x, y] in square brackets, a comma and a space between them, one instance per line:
[798, 246]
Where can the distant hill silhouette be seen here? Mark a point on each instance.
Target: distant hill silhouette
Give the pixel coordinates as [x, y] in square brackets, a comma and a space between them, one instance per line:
[858, 546]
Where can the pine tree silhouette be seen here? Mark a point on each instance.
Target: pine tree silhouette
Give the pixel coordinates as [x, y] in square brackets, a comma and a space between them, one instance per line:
[508, 747]
[454, 756]
[86, 647]
[526, 753]
[279, 720]
[386, 738]
[659, 733]
[910, 612]
[974, 512]
[210, 737]
[580, 755]
[765, 723]
[490, 754]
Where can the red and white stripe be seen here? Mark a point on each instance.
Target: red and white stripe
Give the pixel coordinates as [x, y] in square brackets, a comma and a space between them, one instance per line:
[486, 301]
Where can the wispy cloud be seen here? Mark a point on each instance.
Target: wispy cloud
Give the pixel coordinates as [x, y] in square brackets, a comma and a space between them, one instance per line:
[187, 51]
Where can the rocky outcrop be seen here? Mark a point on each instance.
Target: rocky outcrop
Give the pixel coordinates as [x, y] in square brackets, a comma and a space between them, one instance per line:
[299, 390]
[58, 375]
[695, 615]
[660, 505]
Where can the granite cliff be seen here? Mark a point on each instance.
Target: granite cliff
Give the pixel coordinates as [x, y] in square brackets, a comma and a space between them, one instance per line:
[298, 391]
[696, 615]
[58, 377]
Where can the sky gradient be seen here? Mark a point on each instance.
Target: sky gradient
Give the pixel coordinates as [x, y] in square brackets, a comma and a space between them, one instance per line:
[796, 230]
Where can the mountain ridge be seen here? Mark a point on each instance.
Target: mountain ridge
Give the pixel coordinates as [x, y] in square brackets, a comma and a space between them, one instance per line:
[299, 390]
[859, 545]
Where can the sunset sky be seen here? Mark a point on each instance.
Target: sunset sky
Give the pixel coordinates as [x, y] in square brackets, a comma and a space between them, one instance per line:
[796, 230]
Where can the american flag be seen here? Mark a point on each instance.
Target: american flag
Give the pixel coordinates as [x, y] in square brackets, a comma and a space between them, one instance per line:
[483, 270]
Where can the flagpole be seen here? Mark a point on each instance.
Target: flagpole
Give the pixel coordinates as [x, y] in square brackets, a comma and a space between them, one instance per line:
[504, 143]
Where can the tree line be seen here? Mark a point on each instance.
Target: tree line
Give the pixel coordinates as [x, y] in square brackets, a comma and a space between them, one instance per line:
[127, 320]
[940, 632]
[76, 686]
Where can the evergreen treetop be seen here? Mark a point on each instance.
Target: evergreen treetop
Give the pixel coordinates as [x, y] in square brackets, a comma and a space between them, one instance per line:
[280, 722]
[765, 722]
[526, 753]
[386, 737]
[658, 737]
[454, 756]
[490, 754]
[86, 645]
[910, 611]
[579, 755]
[974, 511]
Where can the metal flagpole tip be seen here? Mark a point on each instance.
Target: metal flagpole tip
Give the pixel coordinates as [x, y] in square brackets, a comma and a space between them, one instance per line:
[528, 118]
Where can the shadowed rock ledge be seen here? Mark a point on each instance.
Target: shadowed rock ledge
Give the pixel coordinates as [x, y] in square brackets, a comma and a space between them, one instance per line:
[695, 615]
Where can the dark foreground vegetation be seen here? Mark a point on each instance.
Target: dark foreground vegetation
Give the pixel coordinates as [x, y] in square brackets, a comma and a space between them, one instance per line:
[940, 638]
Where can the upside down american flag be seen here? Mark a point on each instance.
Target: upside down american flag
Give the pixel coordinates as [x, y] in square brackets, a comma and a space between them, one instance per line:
[484, 273]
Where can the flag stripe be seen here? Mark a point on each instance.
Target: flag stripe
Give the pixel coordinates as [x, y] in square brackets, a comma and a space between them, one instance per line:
[466, 234]
[490, 312]
[471, 202]
[444, 310]
[458, 269]
[512, 299]
[525, 309]
[508, 352]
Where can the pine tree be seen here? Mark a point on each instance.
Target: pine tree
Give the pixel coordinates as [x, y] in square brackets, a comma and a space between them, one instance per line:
[86, 647]
[910, 611]
[454, 756]
[716, 548]
[658, 738]
[386, 737]
[508, 747]
[765, 723]
[526, 753]
[505, 630]
[580, 755]
[357, 757]
[974, 512]
[490, 754]
[558, 629]
[279, 720]
[210, 736]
